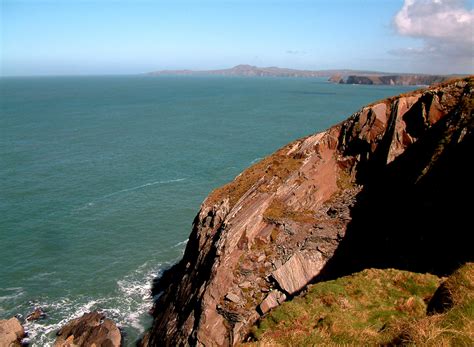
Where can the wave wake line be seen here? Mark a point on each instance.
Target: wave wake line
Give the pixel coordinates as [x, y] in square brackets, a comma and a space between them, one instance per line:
[131, 189]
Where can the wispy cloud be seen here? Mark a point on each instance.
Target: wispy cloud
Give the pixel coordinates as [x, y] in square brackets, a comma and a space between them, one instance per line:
[295, 52]
[445, 27]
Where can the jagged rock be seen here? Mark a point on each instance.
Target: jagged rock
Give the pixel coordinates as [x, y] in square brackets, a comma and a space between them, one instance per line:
[298, 271]
[92, 329]
[387, 164]
[11, 332]
[272, 300]
[36, 314]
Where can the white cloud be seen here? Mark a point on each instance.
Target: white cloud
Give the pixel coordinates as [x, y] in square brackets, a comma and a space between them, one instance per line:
[437, 19]
[445, 26]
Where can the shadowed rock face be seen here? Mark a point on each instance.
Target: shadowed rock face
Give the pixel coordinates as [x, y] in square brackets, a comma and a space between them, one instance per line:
[382, 189]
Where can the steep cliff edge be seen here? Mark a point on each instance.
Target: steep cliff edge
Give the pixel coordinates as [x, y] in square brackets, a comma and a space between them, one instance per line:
[381, 189]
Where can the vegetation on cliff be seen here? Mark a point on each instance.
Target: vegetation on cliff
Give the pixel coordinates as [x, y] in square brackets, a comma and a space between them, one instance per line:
[376, 307]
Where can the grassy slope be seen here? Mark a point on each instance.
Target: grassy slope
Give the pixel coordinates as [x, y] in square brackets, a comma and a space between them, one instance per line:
[374, 307]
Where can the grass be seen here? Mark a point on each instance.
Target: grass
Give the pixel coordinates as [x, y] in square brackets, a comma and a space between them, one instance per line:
[357, 309]
[451, 321]
[276, 167]
[278, 211]
[376, 307]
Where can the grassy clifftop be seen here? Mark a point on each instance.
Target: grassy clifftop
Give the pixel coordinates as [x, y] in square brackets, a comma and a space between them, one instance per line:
[377, 307]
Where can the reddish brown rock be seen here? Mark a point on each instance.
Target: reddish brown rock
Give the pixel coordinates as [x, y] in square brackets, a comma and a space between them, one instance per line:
[92, 329]
[272, 300]
[11, 332]
[36, 314]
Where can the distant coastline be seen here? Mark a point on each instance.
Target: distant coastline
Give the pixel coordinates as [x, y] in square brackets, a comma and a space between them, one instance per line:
[343, 76]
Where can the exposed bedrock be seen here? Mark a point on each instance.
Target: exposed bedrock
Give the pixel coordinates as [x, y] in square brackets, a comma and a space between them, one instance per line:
[385, 188]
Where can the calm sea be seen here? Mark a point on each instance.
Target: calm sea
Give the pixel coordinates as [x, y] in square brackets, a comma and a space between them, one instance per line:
[101, 177]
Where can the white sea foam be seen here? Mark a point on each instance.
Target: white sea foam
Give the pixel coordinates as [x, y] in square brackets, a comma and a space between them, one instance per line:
[127, 306]
[255, 160]
[16, 293]
[40, 333]
[182, 243]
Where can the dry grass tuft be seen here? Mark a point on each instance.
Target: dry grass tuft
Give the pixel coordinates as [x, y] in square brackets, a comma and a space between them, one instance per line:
[275, 169]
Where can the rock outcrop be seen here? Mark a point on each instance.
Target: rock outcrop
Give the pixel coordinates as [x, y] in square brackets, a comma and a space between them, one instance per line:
[92, 329]
[37, 314]
[382, 189]
[11, 332]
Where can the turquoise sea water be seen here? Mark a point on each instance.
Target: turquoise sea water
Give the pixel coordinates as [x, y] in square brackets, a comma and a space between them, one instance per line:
[101, 177]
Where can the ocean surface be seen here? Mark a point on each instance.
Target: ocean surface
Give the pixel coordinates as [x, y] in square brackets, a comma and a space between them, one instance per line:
[101, 177]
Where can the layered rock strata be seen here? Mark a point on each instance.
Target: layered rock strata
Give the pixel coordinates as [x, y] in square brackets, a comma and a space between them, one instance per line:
[361, 193]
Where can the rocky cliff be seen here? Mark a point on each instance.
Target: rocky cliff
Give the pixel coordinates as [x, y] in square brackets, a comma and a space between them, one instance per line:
[403, 79]
[385, 188]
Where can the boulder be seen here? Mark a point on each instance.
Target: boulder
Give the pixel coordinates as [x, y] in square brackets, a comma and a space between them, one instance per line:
[233, 297]
[272, 300]
[92, 329]
[11, 332]
[298, 271]
[36, 314]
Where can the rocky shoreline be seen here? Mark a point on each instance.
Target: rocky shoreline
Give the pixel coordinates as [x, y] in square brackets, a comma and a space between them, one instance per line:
[91, 329]
[377, 190]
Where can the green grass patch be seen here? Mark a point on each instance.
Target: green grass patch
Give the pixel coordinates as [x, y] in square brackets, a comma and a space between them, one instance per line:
[357, 309]
[278, 211]
[376, 307]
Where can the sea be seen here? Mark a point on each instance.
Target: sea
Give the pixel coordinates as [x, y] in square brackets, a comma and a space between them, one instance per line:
[101, 177]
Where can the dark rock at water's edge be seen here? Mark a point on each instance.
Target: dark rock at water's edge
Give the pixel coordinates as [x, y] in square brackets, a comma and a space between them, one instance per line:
[92, 329]
[37, 314]
[11, 332]
[384, 189]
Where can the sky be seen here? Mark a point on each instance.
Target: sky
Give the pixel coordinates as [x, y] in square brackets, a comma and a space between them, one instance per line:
[90, 37]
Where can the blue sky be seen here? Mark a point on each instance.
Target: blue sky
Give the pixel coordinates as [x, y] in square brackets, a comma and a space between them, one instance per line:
[121, 37]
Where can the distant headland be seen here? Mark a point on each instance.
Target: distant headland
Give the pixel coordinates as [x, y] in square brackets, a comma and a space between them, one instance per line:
[343, 76]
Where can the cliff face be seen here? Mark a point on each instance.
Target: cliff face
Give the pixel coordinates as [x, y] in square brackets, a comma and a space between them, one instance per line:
[382, 189]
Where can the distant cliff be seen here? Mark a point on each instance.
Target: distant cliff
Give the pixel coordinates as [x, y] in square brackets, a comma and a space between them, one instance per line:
[244, 70]
[385, 188]
[402, 79]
